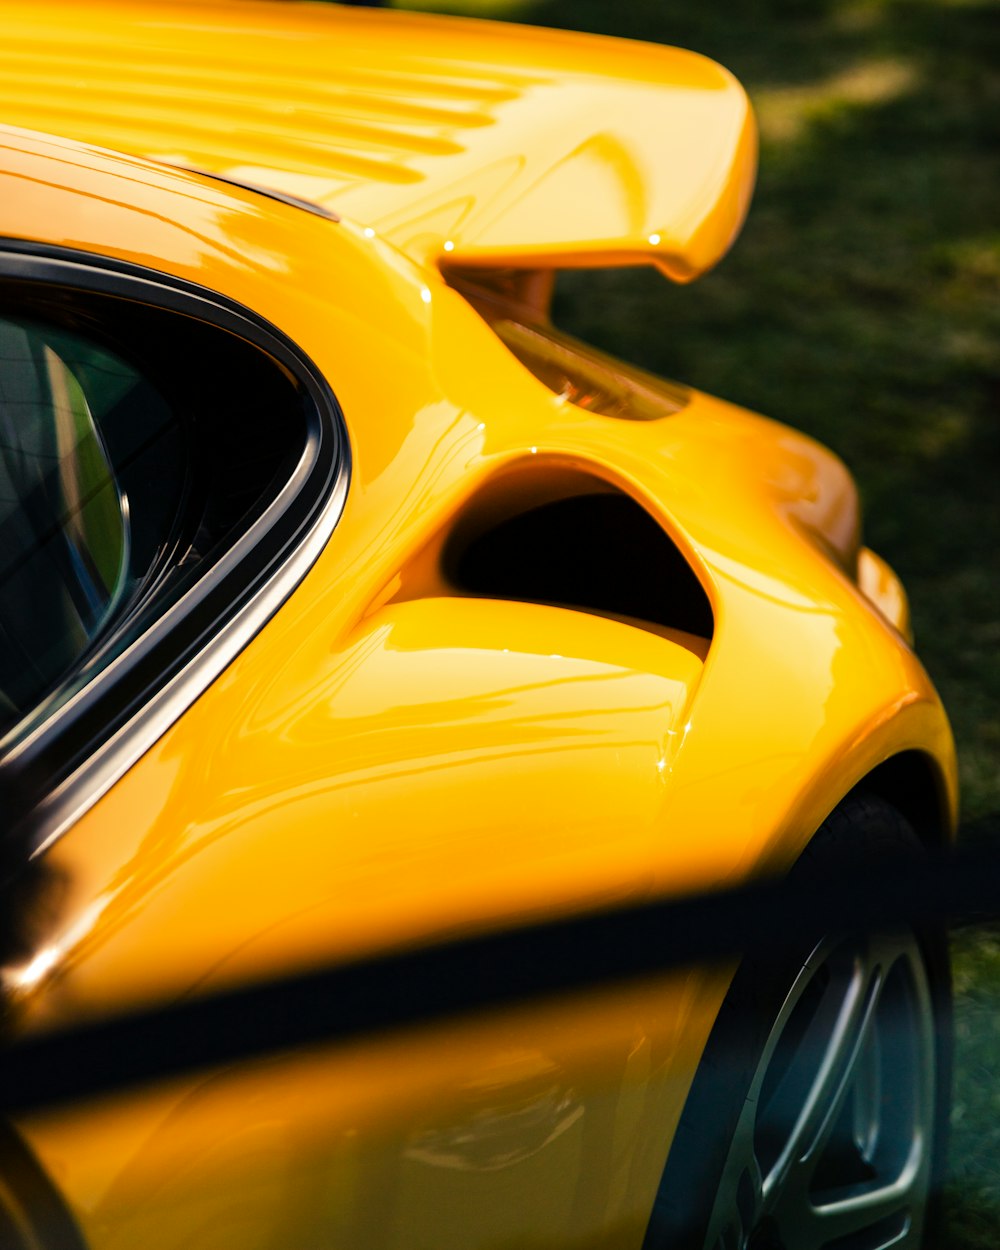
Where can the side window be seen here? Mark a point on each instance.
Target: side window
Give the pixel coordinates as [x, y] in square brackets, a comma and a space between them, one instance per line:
[169, 466]
[91, 475]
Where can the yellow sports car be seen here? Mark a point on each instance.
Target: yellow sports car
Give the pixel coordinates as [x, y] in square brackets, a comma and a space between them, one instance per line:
[349, 609]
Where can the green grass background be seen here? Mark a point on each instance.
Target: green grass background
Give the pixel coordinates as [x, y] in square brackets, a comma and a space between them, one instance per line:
[862, 304]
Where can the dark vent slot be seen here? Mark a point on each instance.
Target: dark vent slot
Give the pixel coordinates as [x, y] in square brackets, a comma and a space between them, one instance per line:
[598, 552]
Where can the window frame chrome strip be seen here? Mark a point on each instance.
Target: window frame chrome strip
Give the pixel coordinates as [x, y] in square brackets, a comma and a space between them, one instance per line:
[46, 777]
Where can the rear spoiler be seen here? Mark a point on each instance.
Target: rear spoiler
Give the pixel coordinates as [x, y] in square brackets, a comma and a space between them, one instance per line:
[594, 170]
[474, 145]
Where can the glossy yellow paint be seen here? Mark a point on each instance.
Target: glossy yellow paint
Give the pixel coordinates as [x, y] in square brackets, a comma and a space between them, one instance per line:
[880, 583]
[390, 761]
[530, 1127]
[457, 140]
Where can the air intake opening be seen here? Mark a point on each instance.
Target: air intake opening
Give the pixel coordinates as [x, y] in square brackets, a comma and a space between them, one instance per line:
[594, 549]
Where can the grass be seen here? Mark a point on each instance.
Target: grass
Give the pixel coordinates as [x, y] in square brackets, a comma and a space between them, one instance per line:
[862, 304]
[974, 1190]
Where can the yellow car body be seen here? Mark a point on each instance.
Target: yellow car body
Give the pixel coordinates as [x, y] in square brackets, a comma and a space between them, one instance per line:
[392, 759]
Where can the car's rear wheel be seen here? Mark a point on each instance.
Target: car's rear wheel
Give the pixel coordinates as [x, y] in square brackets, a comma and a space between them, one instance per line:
[816, 1116]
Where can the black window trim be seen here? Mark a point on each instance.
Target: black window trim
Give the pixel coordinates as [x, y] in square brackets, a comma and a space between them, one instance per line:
[60, 767]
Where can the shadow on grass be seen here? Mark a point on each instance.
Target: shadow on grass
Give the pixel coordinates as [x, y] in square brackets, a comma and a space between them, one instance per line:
[971, 1220]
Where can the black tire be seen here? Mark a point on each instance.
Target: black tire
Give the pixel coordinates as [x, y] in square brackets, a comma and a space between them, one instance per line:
[734, 1179]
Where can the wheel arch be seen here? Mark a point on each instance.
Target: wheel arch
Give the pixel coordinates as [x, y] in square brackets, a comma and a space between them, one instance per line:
[912, 782]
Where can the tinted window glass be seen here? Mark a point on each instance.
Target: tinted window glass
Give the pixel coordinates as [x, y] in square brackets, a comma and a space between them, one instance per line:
[138, 446]
[75, 422]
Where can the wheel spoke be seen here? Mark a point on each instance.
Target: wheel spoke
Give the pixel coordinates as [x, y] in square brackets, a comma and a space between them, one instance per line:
[866, 1117]
[739, 1198]
[832, 1142]
[848, 1169]
[887, 1209]
[878, 1017]
[843, 1063]
[830, 1052]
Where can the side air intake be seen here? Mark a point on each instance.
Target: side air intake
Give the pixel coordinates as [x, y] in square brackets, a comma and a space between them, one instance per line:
[591, 548]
